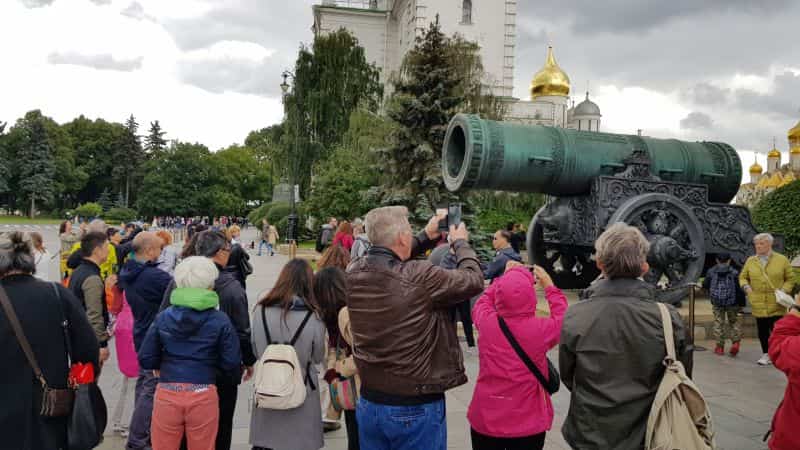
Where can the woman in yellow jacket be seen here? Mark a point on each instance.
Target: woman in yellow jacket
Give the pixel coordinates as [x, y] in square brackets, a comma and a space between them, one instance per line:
[761, 275]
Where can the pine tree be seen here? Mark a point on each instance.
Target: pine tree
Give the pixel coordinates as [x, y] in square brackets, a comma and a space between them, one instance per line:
[426, 96]
[155, 142]
[105, 200]
[36, 161]
[129, 157]
[4, 170]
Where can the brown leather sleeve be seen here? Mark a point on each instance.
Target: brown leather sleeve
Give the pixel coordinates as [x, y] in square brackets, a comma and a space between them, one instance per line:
[450, 287]
[421, 244]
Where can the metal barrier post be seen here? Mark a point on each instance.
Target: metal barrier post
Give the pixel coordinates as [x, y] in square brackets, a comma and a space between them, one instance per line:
[692, 287]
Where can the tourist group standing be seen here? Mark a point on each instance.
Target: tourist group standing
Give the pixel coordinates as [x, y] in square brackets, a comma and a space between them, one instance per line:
[371, 337]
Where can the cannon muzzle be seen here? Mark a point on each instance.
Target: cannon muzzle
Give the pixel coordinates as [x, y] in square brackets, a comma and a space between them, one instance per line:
[485, 154]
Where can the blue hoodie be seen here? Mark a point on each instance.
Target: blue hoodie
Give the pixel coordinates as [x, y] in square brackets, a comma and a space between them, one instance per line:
[498, 266]
[144, 285]
[191, 341]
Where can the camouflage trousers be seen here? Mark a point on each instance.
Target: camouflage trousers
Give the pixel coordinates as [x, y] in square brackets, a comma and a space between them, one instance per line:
[726, 324]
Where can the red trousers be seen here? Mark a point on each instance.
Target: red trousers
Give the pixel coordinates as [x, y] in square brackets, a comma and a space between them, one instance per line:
[195, 413]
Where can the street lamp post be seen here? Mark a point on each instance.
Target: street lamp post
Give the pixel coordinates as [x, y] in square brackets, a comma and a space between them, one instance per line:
[292, 219]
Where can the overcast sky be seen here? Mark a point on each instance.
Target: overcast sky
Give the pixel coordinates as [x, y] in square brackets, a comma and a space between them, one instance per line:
[209, 70]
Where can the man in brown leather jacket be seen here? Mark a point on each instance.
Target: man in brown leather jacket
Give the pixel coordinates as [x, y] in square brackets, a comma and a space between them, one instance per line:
[404, 344]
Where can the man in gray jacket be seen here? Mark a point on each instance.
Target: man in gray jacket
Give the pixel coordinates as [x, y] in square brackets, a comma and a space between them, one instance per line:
[612, 348]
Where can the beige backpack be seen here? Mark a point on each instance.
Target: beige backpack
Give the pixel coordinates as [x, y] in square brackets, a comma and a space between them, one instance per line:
[679, 417]
[279, 380]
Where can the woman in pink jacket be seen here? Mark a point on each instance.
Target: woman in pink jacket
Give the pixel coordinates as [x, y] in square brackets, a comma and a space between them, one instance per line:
[510, 408]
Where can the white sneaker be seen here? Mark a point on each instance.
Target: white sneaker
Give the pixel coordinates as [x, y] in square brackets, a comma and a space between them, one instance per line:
[764, 361]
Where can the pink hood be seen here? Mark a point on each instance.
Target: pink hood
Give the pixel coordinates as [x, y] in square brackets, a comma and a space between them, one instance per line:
[508, 400]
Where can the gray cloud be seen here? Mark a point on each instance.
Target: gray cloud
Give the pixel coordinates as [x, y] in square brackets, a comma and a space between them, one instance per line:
[234, 75]
[696, 120]
[36, 3]
[783, 102]
[705, 94]
[136, 11]
[103, 61]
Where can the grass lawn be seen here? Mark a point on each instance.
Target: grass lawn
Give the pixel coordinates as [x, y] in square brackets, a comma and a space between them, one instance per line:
[307, 245]
[19, 220]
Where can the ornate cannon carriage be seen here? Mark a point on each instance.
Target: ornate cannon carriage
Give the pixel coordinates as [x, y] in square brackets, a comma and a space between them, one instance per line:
[676, 192]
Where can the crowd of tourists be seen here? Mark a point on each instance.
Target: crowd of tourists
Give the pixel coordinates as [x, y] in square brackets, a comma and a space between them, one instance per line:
[368, 334]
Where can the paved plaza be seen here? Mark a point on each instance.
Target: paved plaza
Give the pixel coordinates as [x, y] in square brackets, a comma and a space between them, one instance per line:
[742, 396]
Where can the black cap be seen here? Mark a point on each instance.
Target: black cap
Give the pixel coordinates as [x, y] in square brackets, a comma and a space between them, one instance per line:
[723, 256]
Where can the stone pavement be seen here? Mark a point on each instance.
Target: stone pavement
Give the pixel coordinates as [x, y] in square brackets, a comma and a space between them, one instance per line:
[742, 396]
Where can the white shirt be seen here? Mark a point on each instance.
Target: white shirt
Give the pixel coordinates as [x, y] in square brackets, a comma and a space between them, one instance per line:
[42, 264]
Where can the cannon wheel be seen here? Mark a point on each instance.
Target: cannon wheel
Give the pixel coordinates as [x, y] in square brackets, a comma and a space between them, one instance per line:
[560, 260]
[683, 229]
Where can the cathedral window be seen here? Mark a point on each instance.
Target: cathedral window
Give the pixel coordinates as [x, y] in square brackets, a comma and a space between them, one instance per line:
[466, 12]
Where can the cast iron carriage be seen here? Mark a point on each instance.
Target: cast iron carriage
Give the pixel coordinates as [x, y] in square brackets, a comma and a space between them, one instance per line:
[677, 193]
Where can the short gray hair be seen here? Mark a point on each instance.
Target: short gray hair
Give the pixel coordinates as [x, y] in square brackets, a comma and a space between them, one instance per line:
[196, 272]
[16, 253]
[209, 243]
[385, 224]
[621, 250]
[764, 237]
[97, 226]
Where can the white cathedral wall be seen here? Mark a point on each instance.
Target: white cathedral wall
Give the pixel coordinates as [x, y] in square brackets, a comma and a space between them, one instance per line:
[369, 28]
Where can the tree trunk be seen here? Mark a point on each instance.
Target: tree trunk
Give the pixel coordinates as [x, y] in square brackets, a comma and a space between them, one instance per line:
[127, 188]
[33, 207]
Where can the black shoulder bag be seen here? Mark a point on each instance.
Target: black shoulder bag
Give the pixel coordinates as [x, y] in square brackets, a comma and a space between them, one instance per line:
[553, 382]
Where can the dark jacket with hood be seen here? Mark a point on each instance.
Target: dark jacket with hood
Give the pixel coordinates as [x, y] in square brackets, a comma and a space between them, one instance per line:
[498, 267]
[191, 341]
[144, 285]
[232, 302]
[611, 359]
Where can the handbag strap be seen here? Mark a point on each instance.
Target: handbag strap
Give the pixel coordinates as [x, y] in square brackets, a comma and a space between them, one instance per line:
[764, 272]
[666, 324]
[521, 353]
[20, 334]
[64, 322]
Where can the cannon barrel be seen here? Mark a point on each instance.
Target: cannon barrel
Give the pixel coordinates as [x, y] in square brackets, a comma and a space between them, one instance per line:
[485, 154]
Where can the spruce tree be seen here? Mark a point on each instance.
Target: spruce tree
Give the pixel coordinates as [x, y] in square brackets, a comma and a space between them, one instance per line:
[4, 170]
[36, 161]
[155, 142]
[105, 200]
[426, 96]
[120, 202]
[128, 159]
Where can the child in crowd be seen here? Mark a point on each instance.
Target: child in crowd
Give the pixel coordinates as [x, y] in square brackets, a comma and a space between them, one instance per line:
[727, 301]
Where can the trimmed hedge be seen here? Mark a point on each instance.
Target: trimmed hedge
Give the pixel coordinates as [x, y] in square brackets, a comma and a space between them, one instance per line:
[89, 210]
[120, 215]
[779, 212]
[278, 211]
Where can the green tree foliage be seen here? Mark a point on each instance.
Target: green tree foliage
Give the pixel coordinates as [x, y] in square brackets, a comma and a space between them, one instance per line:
[779, 212]
[155, 142]
[440, 77]
[105, 200]
[95, 143]
[331, 80]
[243, 178]
[36, 161]
[269, 150]
[119, 215]
[176, 181]
[5, 174]
[345, 181]
[128, 158]
[88, 210]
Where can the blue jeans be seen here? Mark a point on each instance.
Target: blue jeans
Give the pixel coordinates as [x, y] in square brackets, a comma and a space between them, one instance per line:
[267, 244]
[386, 427]
[139, 431]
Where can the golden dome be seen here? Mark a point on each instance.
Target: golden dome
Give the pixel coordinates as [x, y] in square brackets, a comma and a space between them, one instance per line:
[756, 168]
[550, 80]
[794, 133]
[795, 150]
[774, 153]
